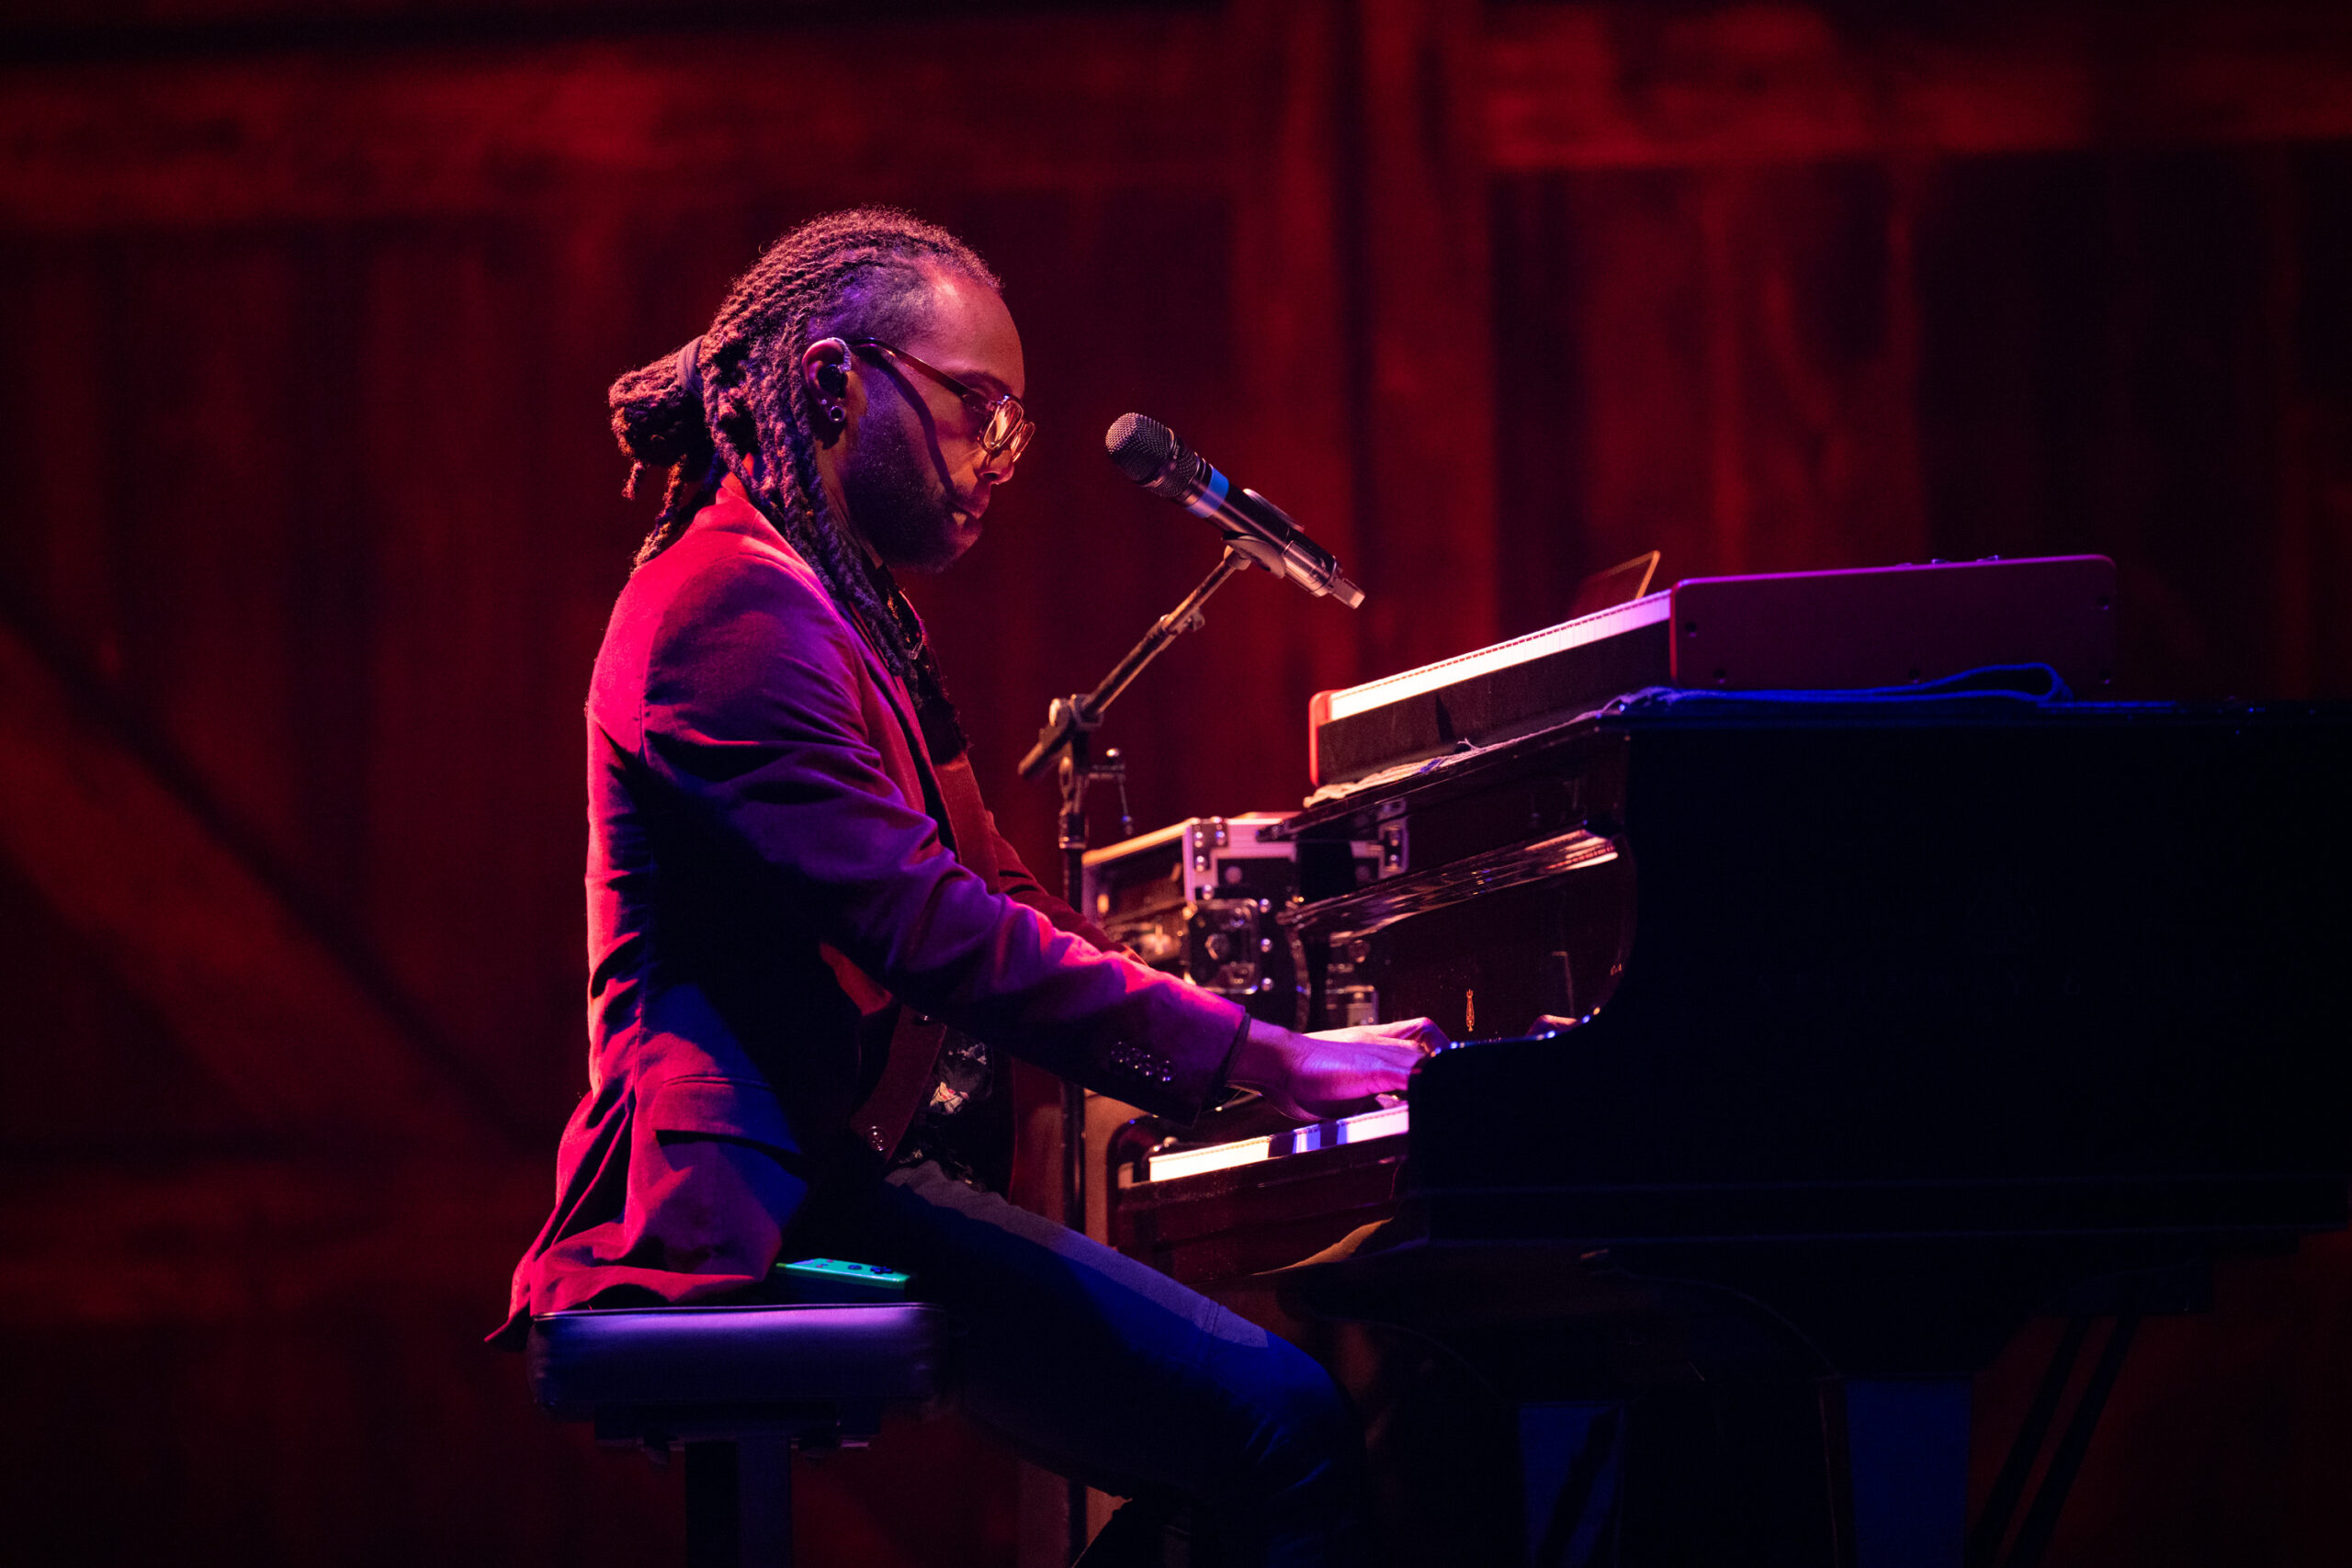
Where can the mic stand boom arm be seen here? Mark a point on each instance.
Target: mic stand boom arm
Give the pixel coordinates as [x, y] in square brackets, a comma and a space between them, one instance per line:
[1071, 723]
[1069, 718]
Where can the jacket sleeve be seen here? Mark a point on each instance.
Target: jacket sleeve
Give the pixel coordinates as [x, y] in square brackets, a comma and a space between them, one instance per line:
[1016, 882]
[751, 715]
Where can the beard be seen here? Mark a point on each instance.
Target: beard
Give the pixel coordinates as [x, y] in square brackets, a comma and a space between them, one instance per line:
[897, 501]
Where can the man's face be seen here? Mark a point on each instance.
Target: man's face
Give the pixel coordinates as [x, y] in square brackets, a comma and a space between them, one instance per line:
[913, 475]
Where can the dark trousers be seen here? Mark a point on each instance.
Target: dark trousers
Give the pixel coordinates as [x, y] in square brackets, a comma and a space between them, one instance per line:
[1100, 1368]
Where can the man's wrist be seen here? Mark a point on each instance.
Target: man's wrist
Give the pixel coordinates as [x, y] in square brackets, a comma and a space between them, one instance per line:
[1260, 1058]
[1228, 1072]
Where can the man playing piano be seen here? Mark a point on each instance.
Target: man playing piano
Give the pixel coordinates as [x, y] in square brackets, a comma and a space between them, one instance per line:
[791, 876]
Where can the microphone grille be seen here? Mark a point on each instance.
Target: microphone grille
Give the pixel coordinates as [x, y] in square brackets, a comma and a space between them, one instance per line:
[1143, 448]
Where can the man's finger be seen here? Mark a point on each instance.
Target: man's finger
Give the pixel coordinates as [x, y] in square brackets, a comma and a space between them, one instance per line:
[1424, 1032]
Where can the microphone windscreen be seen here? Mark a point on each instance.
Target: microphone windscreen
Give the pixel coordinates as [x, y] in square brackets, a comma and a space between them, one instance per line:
[1143, 448]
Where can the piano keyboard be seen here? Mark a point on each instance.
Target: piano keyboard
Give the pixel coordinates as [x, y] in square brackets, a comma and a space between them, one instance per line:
[1389, 1121]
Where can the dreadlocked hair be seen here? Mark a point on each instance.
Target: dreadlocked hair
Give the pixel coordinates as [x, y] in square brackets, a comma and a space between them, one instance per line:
[734, 400]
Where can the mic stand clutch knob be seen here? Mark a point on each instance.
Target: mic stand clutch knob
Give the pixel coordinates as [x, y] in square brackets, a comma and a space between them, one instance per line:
[1077, 771]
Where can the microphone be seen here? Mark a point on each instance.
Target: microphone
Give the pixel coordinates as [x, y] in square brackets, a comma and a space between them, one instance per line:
[1148, 453]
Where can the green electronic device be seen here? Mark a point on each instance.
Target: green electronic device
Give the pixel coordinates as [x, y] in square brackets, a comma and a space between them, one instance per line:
[837, 1279]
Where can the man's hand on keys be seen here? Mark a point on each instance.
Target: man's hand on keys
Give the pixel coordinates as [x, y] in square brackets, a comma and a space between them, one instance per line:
[1313, 1075]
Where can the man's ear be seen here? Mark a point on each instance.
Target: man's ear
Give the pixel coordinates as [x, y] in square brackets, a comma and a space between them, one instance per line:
[824, 364]
[824, 371]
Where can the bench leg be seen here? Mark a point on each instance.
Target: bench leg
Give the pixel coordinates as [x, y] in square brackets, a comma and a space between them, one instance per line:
[738, 1503]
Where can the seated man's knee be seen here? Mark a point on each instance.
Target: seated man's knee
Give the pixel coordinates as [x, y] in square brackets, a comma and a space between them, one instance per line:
[1309, 1447]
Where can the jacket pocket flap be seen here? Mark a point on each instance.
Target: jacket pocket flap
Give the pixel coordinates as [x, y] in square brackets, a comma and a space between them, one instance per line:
[717, 1107]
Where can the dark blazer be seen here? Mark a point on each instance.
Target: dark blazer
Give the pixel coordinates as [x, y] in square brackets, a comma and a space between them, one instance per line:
[767, 879]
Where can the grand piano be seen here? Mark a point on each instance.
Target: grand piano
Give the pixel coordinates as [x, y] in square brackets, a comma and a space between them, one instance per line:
[1809, 1043]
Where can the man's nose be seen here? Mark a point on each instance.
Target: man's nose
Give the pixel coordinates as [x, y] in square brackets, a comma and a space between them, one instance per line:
[994, 467]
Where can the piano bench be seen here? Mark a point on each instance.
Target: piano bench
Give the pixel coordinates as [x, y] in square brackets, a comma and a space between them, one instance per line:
[739, 1388]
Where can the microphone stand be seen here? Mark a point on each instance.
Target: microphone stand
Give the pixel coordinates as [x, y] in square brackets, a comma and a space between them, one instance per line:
[1071, 723]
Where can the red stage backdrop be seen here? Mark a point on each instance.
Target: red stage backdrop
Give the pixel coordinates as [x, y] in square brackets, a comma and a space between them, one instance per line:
[306, 313]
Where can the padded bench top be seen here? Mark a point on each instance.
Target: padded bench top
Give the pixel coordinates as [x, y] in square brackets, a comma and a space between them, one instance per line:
[735, 1356]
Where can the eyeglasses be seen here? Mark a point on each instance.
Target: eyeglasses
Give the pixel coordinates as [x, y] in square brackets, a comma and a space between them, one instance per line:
[1005, 426]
